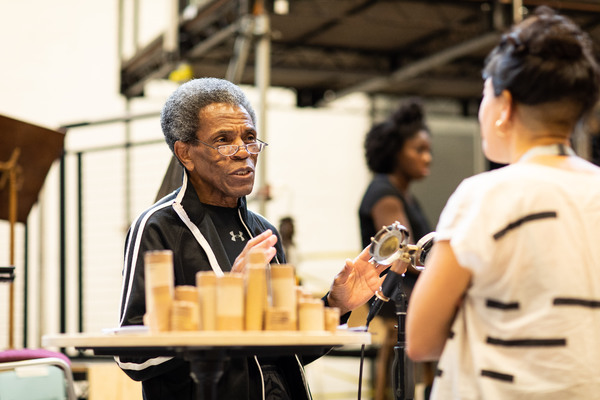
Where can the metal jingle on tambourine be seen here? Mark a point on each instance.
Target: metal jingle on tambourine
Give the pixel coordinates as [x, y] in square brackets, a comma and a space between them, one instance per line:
[387, 243]
[424, 246]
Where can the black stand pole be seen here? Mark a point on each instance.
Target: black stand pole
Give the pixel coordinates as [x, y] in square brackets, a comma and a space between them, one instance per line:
[403, 379]
[206, 370]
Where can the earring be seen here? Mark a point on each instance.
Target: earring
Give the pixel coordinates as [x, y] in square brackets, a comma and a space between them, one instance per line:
[500, 128]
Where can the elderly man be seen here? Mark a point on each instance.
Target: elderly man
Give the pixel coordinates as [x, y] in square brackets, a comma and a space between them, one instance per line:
[210, 126]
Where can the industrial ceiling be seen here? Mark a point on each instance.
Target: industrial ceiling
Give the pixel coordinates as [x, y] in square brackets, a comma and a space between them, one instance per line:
[326, 49]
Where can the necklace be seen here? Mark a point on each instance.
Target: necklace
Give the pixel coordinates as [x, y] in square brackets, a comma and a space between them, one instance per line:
[555, 149]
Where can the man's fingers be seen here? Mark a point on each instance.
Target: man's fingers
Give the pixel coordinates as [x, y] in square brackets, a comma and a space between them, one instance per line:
[259, 238]
[364, 254]
[271, 252]
[264, 240]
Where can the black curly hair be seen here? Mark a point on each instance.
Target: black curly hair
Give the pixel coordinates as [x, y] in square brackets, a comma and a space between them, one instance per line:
[386, 139]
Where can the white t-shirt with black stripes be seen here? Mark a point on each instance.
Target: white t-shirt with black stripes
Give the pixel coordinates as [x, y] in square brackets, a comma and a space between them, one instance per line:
[529, 327]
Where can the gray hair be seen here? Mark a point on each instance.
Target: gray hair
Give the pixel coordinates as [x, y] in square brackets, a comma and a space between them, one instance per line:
[180, 119]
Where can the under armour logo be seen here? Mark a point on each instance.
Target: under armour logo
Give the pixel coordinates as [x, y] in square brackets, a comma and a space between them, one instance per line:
[240, 235]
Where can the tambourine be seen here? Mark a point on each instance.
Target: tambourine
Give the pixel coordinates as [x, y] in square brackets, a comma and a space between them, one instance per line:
[391, 244]
[387, 244]
[423, 246]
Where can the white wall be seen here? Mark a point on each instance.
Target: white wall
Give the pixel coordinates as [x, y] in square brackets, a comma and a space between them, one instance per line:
[60, 65]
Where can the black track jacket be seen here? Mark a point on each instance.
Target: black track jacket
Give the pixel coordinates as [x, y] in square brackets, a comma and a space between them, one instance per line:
[177, 222]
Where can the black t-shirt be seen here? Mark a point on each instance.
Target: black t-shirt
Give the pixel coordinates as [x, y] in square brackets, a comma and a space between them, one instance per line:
[232, 232]
[234, 237]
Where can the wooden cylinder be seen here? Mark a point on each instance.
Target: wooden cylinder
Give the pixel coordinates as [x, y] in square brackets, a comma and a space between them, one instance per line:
[283, 289]
[311, 315]
[206, 285]
[184, 315]
[278, 319]
[230, 302]
[159, 288]
[303, 293]
[256, 297]
[189, 294]
[332, 319]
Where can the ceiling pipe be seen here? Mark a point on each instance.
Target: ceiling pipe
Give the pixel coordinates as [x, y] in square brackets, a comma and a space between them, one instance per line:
[419, 67]
[262, 81]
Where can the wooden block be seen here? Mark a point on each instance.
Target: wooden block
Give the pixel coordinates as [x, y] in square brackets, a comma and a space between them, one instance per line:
[230, 302]
[311, 315]
[159, 282]
[283, 288]
[256, 297]
[206, 284]
[332, 319]
[184, 316]
[279, 319]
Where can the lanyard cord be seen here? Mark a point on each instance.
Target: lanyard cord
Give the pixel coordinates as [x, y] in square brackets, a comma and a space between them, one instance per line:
[555, 149]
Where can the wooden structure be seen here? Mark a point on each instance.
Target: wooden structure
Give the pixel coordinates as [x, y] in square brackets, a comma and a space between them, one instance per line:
[26, 154]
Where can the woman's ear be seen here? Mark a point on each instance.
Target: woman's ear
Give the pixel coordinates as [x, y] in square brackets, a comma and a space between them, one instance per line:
[506, 110]
[182, 152]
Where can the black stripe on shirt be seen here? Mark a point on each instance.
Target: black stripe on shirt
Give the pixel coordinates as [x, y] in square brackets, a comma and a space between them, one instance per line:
[527, 342]
[568, 301]
[491, 303]
[521, 221]
[562, 151]
[497, 375]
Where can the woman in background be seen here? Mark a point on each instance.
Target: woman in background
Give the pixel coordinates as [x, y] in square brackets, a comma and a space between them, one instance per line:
[510, 297]
[398, 152]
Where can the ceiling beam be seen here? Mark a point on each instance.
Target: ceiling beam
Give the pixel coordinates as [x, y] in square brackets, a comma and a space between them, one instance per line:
[417, 68]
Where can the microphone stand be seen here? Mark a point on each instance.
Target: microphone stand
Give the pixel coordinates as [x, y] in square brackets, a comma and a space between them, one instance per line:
[403, 377]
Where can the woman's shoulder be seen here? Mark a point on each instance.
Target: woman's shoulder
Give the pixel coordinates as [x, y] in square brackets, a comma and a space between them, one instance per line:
[488, 180]
[490, 187]
[578, 164]
[379, 187]
[528, 178]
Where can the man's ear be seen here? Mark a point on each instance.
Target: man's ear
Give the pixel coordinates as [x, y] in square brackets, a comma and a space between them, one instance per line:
[182, 152]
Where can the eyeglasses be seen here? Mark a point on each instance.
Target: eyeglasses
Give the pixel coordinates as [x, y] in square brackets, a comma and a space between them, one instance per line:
[229, 150]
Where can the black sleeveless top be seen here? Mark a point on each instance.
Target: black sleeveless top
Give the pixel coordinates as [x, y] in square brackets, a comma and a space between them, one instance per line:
[381, 187]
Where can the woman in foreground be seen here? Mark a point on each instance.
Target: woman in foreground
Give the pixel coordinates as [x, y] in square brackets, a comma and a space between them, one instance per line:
[509, 301]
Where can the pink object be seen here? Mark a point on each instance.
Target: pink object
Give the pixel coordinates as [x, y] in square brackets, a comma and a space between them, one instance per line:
[30, 354]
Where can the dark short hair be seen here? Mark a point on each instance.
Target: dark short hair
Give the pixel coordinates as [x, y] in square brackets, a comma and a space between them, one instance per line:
[385, 139]
[545, 58]
[179, 118]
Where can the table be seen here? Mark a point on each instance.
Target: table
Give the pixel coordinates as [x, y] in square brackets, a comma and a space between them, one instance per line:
[207, 350]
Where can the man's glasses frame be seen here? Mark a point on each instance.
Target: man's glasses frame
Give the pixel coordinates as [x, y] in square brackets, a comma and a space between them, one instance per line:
[229, 150]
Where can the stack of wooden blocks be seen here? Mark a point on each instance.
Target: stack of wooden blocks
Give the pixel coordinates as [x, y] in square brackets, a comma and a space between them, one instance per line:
[263, 298]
